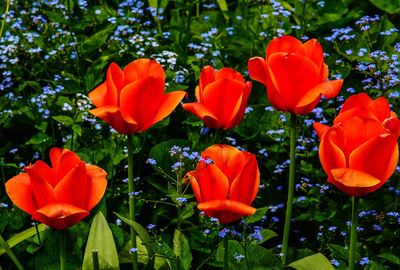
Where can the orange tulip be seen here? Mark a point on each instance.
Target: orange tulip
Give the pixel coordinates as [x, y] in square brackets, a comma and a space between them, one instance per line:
[359, 153]
[133, 99]
[225, 182]
[295, 74]
[221, 98]
[58, 196]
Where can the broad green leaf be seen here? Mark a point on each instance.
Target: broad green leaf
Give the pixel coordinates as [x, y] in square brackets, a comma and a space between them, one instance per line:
[77, 129]
[258, 215]
[95, 41]
[158, 4]
[10, 253]
[141, 232]
[64, 119]
[313, 262]
[267, 234]
[224, 8]
[38, 138]
[101, 239]
[182, 250]
[390, 258]
[389, 6]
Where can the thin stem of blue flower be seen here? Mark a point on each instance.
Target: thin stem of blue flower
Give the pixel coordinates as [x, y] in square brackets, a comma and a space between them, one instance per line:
[5, 17]
[353, 232]
[289, 204]
[226, 253]
[132, 201]
[63, 249]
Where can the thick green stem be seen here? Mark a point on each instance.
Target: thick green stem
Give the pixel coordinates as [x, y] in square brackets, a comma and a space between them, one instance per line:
[289, 204]
[4, 245]
[132, 202]
[353, 232]
[226, 253]
[63, 249]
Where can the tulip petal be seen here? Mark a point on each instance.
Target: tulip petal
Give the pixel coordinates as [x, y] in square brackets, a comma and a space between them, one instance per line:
[245, 186]
[227, 158]
[243, 104]
[97, 184]
[20, 192]
[229, 73]
[393, 125]
[354, 178]
[62, 161]
[169, 103]
[381, 108]
[313, 50]
[60, 215]
[361, 100]
[213, 183]
[66, 190]
[42, 190]
[142, 68]
[201, 111]
[207, 76]
[287, 44]
[141, 101]
[48, 174]
[320, 129]
[329, 89]
[115, 79]
[258, 69]
[227, 205]
[223, 99]
[195, 185]
[293, 76]
[377, 157]
[100, 96]
[112, 116]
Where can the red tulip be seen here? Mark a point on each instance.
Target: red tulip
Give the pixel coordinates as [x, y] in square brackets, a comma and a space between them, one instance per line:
[221, 98]
[133, 99]
[295, 74]
[58, 196]
[358, 153]
[226, 187]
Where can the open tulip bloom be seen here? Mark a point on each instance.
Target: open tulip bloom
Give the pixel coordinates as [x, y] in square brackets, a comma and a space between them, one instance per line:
[133, 99]
[225, 182]
[61, 195]
[360, 151]
[221, 98]
[294, 74]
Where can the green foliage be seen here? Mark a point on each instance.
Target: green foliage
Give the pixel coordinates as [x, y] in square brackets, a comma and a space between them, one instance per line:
[313, 262]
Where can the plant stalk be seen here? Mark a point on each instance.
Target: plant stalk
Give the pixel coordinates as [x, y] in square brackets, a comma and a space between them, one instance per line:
[226, 253]
[63, 249]
[353, 232]
[132, 201]
[289, 204]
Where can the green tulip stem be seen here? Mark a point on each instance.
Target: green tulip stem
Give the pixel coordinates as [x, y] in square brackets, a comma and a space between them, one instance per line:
[132, 201]
[289, 204]
[226, 253]
[63, 249]
[353, 232]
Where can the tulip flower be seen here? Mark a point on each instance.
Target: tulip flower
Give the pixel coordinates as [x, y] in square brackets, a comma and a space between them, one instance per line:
[61, 195]
[359, 152]
[221, 98]
[295, 74]
[225, 182]
[133, 99]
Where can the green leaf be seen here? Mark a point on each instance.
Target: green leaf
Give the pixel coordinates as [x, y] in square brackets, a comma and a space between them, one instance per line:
[64, 119]
[141, 231]
[38, 138]
[158, 4]
[267, 234]
[97, 40]
[258, 215]
[182, 250]
[77, 129]
[101, 239]
[390, 258]
[389, 6]
[224, 8]
[10, 253]
[313, 262]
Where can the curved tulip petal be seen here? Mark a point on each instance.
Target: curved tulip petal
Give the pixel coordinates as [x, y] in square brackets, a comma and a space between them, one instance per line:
[60, 215]
[42, 190]
[354, 182]
[227, 158]
[313, 50]
[381, 108]
[97, 184]
[393, 125]
[142, 68]
[115, 79]
[361, 100]
[66, 189]
[195, 185]
[223, 99]
[48, 174]
[377, 157]
[227, 205]
[100, 96]
[245, 186]
[287, 44]
[228, 73]
[201, 111]
[20, 192]
[112, 116]
[169, 103]
[293, 76]
[213, 183]
[207, 76]
[257, 68]
[320, 129]
[243, 104]
[141, 101]
[62, 161]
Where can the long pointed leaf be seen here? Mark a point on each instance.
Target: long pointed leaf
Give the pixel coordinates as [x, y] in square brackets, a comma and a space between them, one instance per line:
[10, 253]
[313, 262]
